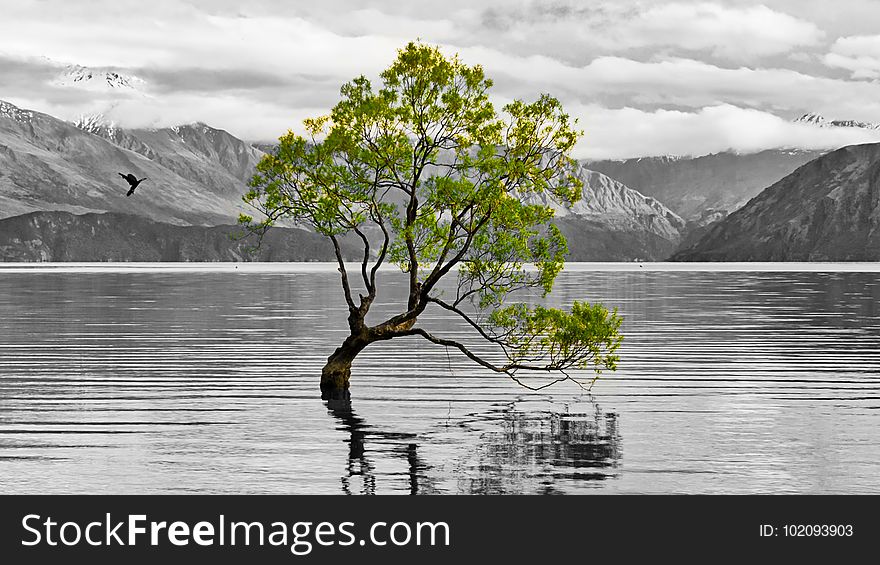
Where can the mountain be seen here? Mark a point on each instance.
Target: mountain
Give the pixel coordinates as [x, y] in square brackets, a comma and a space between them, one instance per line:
[818, 120]
[696, 228]
[98, 80]
[214, 158]
[827, 210]
[62, 236]
[690, 186]
[196, 174]
[265, 146]
[612, 222]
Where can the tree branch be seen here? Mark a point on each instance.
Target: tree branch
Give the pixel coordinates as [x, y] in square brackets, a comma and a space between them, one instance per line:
[509, 369]
[385, 243]
[467, 319]
[343, 273]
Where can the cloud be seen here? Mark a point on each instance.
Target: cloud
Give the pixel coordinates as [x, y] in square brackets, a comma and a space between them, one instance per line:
[250, 105]
[727, 31]
[282, 38]
[629, 132]
[686, 82]
[684, 74]
[180, 37]
[196, 79]
[619, 81]
[244, 117]
[31, 79]
[739, 33]
[404, 28]
[859, 54]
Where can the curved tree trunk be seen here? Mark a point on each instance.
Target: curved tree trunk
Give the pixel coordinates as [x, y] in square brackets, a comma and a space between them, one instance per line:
[337, 372]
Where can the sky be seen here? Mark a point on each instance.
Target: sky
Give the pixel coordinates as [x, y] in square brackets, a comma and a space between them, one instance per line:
[643, 77]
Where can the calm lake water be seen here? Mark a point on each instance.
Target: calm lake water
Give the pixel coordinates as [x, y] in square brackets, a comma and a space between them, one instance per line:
[204, 379]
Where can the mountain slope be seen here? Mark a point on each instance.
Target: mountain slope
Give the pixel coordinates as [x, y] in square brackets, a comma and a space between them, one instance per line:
[827, 210]
[61, 236]
[197, 174]
[690, 186]
[49, 164]
[612, 222]
[210, 157]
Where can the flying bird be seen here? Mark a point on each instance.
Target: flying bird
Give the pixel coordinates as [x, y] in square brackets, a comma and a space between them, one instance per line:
[132, 181]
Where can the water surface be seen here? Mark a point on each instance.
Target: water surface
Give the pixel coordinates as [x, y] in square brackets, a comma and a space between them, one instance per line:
[203, 379]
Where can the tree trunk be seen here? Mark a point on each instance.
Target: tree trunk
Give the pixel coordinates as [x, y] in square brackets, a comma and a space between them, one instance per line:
[337, 372]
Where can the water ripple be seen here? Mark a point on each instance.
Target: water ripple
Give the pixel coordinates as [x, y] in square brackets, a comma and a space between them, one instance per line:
[155, 379]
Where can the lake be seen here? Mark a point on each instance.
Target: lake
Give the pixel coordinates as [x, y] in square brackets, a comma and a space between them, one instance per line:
[174, 378]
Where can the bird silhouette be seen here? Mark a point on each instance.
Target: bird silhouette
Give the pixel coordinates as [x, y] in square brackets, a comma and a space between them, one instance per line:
[132, 181]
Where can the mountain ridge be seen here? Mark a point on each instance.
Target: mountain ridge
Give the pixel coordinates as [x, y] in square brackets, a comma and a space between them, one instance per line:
[820, 121]
[691, 185]
[98, 79]
[197, 175]
[50, 164]
[112, 236]
[613, 222]
[826, 210]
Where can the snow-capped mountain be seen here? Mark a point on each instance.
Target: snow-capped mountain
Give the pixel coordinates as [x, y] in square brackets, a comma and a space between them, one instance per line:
[100, 80]
[50, 164]
[97, 124]
[196, 151]
[101, 98]
[15, 113]
[198, 174]
[819, 120]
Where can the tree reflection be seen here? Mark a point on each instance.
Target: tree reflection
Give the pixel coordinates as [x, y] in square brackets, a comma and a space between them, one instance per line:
[360, 469]
[516, 449]
[541, 451]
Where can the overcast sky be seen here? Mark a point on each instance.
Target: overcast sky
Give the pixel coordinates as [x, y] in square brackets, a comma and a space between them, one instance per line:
[643, 77]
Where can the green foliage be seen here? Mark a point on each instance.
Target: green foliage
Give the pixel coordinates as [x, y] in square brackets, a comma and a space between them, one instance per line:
[586, 337]
[432, 178]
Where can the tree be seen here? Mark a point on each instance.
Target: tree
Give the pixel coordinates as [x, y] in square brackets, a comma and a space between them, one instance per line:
[426, 175]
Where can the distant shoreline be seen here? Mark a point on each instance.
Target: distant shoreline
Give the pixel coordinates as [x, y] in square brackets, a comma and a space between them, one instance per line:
[328, 266]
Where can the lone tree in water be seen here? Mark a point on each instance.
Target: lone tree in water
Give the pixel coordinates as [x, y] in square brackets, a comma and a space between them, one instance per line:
[426, 175]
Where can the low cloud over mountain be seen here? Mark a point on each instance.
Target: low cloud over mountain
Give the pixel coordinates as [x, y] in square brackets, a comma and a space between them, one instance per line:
[676, 77]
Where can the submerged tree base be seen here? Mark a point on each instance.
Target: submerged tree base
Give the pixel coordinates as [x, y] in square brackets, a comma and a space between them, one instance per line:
[336, 373]
[334, 383]
[335, 394]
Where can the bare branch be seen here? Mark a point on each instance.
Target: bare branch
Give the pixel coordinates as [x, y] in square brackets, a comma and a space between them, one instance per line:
[342, 272]
[509, 369]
